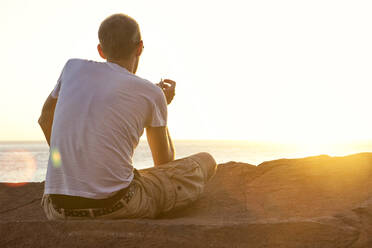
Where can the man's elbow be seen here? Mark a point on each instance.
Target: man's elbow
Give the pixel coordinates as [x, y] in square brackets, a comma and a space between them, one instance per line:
[40, 120]
[43, 121]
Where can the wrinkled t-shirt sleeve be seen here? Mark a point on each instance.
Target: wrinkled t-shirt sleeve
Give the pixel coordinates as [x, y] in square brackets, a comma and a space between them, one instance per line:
[159, 112]
[56, 89]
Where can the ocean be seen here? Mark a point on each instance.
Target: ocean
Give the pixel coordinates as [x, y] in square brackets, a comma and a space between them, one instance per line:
[27, 161]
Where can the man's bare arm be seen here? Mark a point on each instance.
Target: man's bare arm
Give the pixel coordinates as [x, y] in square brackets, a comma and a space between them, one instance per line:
[160, 142]
[161, 145]
[46, 118]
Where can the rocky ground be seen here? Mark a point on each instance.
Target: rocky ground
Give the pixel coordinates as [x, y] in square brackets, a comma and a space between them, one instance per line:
[311, 202]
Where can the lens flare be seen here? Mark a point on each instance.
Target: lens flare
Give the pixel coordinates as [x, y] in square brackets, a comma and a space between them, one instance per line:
[19, 167]
[56, 158]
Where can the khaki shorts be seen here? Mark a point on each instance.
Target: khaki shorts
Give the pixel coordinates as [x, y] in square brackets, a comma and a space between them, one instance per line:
[153, 191]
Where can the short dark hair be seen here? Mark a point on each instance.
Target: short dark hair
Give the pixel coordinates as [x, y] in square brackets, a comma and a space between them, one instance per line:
[118, 35]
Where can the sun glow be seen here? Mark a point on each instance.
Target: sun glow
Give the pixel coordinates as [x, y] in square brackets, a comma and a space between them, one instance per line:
[276, 71]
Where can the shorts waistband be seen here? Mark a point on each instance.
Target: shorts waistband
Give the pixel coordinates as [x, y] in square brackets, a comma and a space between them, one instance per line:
[97, 211]
[78, 202]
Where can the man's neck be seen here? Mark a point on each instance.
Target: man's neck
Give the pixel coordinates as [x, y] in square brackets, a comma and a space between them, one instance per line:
[127, 64]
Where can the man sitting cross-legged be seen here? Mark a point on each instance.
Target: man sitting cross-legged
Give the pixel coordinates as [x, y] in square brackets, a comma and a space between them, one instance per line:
[93, 120]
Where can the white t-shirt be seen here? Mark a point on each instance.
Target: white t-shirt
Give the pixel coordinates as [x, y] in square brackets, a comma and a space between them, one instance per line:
[101, 112]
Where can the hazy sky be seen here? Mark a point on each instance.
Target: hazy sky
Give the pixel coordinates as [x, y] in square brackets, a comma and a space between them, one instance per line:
[287, 71]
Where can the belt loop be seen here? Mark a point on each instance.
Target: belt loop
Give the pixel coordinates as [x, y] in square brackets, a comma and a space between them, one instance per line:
[42, 201]
[91, 213]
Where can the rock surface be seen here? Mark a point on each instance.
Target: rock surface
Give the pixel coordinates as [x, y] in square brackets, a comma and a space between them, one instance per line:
[311, 202]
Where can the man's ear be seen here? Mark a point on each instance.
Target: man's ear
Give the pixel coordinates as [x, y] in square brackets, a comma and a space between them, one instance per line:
[139, 48]
[99, 48]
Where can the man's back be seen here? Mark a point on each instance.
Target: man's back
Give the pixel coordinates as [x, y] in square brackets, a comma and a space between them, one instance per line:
[101, 112]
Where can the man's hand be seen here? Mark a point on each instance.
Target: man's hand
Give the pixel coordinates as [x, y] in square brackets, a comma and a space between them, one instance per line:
[169, 88]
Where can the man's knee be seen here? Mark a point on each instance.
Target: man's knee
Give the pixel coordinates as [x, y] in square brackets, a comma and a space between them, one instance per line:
[207, 163]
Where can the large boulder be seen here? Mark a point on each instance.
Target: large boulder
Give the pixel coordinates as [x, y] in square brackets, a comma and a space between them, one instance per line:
[311, 202]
